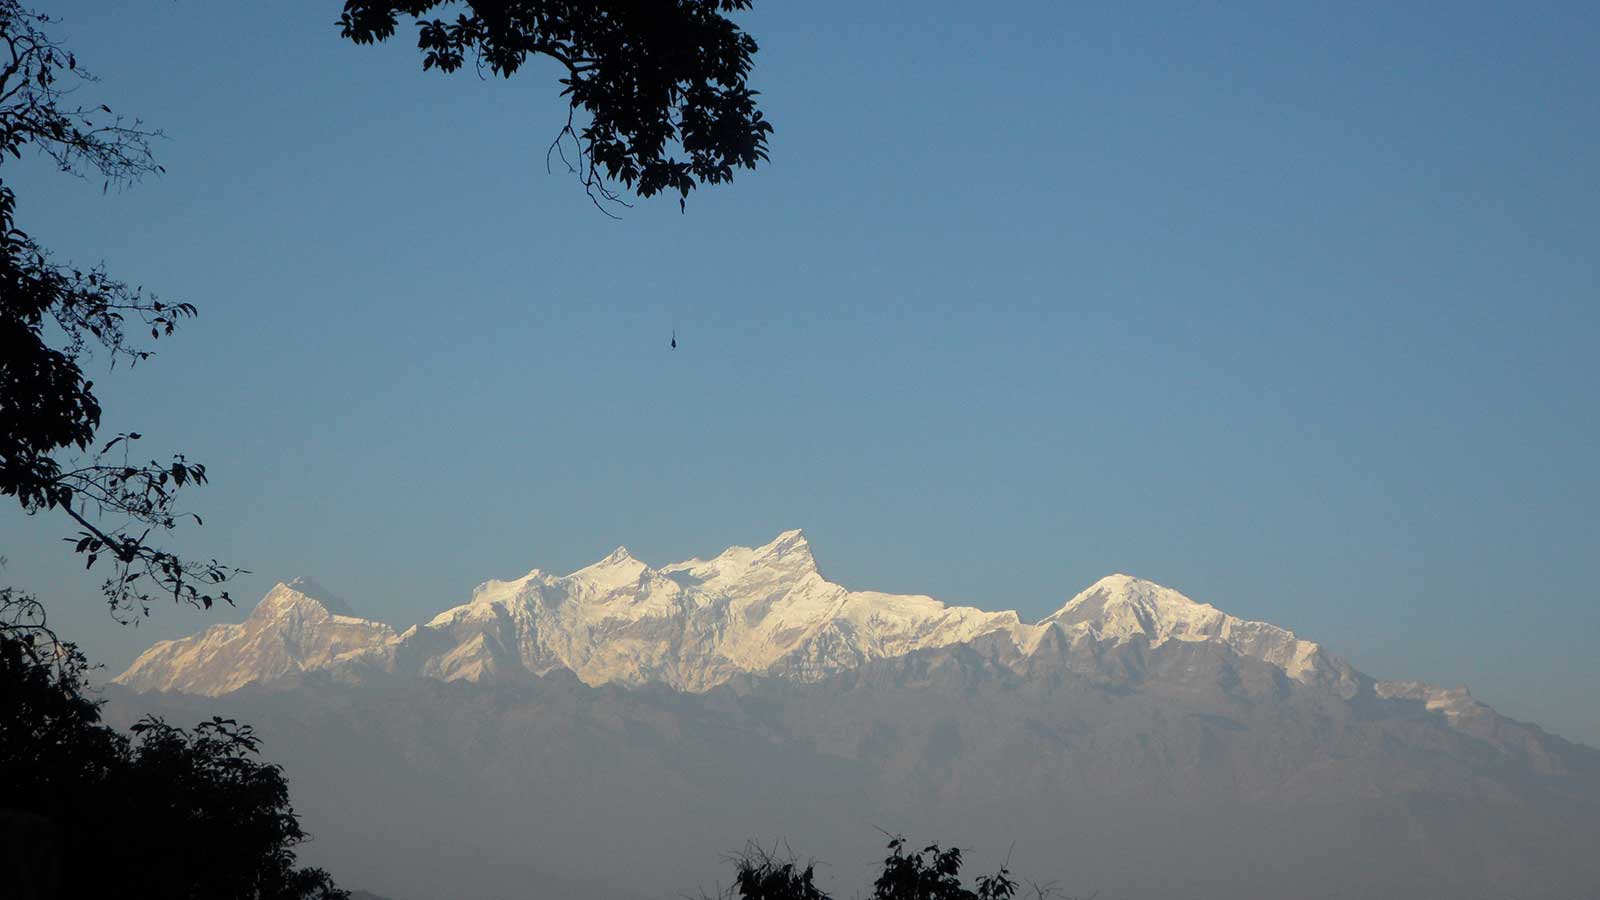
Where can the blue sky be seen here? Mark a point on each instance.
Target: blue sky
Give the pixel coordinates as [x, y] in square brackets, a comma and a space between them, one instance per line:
[1291, 307]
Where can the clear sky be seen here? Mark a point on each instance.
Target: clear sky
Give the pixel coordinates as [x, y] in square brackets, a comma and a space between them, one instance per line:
[1289, 306]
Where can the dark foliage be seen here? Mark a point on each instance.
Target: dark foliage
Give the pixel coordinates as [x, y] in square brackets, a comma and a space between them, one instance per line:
[54, 316]
[168, 813]
[935, 874]
[932, 873]
[663, 81]
[762, 874]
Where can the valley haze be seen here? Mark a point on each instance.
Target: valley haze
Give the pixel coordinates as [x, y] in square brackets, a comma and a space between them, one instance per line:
[554, 733]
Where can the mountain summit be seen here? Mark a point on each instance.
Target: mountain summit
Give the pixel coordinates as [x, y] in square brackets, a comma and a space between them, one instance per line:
[1258, 763]
[296, 627]
[691, 625]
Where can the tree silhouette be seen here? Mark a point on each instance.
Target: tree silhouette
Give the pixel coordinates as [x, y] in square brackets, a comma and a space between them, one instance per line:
[167, 813]
[86, 811]
[55, 316]
[657, 79]
[932, 873]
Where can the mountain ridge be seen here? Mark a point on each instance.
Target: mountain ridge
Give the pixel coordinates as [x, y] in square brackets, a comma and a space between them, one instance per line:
[697, 623]
[1131, 767]
[750, 695]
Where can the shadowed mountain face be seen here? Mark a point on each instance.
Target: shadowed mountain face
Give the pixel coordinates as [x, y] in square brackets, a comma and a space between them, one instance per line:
[1135, 743]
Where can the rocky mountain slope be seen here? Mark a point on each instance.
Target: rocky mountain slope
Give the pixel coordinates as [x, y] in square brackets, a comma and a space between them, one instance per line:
[615, 731]
[1142, 772]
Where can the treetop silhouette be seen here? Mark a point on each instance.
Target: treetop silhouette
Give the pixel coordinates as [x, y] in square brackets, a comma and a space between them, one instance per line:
[664, 82]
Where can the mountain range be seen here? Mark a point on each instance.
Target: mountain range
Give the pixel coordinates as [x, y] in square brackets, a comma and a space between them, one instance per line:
[613, 731]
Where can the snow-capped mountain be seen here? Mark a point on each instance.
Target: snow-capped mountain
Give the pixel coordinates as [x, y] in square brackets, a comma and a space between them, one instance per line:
[691, 625]
[296, 627]
[1135, 740]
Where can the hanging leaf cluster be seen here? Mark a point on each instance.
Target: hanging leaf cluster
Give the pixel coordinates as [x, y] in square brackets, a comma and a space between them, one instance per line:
[662, 82]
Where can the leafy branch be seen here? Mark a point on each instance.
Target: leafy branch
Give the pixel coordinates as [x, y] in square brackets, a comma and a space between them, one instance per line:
[664, 84]
[55, 317]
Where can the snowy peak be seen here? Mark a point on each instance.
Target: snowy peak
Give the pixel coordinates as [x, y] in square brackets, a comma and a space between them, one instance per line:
[296, 627]
[691, 625]
[303, 597]
[307, 586]
[1121, 606]
[786, 557]
[615, 571]
[617, 557]
[300, 601]
[789, 552]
